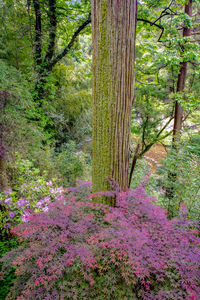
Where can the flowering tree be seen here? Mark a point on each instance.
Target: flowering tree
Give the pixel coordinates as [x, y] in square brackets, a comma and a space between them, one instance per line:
[113, 25]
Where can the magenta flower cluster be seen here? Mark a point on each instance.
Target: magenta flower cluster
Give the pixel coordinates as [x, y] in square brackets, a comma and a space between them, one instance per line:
[83, 250]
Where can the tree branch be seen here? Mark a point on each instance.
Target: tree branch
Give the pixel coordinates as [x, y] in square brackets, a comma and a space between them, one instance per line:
[71, 43]
[165, 12]
[164, 127]
[153, 24]
[135, 157]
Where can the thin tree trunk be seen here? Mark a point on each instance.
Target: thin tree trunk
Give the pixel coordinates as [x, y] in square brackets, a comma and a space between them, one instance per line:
[113, 27]
[178, 115]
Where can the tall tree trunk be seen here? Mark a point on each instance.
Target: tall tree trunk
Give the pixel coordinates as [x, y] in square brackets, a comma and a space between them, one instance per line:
[178, 115]
[113, 31]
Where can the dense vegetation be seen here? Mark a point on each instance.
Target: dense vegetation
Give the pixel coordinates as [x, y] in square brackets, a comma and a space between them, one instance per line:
[58, 239]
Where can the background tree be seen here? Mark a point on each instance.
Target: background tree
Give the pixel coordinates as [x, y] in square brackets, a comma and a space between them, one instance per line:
[45, 54]
[181, 82]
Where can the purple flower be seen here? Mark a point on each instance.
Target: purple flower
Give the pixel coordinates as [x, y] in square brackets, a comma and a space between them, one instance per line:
[49, 183]
[8, 191]
[12, 214]
[21, 202]
[46, 199]
[40, 203]
[7, 225]
[7, 200]
[134, 240]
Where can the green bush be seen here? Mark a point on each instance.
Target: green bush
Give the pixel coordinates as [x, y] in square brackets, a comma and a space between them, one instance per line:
[180, 174]
[141, 170]
[9, 277]
[71, 164]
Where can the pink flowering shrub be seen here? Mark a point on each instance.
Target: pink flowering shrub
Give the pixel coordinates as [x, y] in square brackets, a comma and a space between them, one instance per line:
[83, 250]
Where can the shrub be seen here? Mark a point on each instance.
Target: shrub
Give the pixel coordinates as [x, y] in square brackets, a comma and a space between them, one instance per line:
[84, 250]
[66, 165]
[17, 132]
[9, 277]
[71, 164]
[30, 192]
[184, 184]
[142, 168]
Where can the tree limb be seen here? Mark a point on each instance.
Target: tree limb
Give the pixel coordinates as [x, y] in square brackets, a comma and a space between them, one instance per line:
[164, 127]
[71, 43]
[153, 24]
[135, 157]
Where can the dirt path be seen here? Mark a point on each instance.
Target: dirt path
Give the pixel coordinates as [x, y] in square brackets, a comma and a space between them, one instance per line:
[154, 155]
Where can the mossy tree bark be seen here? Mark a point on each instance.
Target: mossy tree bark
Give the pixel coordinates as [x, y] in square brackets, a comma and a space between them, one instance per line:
[113, 31]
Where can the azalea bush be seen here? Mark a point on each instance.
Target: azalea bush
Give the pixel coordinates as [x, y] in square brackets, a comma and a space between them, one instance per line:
[30, 192]
[79, 249]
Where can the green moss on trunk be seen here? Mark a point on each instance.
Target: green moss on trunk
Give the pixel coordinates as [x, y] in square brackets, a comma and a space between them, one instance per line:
[113, 26]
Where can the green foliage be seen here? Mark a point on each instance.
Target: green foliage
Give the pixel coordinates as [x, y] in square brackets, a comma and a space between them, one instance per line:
[72, 164]
[185, 167]
[9, 276]
[17, 109]
[149, 115]
[70, 106]
[193, 145]
[158, 63]
[22, 171]
[141, 170]
[15, 36]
